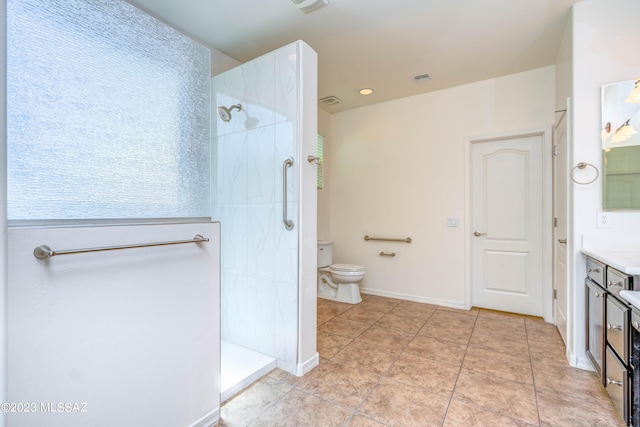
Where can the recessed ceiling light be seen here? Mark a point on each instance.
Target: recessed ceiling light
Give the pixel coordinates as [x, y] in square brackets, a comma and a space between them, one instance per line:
[366, 91]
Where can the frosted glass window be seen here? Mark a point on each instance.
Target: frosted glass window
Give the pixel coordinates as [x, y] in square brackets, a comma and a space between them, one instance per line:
[108, 114]
[320, 157]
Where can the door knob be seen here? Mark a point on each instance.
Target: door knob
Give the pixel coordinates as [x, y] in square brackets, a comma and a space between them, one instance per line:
[478, 234]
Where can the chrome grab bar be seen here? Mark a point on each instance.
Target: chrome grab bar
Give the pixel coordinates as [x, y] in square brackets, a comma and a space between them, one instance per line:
[384, 239]
[392, 254]
[45, 252]
[288, 224]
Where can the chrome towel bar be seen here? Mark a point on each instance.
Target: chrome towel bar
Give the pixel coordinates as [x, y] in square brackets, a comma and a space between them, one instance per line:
[45, 252]
[385, 239]
[582, 166]
[288, 224]
[392, 254]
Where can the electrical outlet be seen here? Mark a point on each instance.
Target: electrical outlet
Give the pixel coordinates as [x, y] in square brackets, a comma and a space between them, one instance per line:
[452, 221]
[603, 220]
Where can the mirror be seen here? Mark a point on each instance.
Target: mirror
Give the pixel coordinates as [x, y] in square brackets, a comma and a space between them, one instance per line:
[621, 145]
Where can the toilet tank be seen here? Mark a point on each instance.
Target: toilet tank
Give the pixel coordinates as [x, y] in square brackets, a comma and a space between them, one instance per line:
[325, 253]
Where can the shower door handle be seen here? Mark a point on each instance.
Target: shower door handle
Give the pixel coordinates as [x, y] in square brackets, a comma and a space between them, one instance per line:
[288, 224]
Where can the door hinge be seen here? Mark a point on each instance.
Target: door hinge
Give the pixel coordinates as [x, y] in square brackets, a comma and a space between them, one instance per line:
[555, 150]
[555, 222]
[555, 294]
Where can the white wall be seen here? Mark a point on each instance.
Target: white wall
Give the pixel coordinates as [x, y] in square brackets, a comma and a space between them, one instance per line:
[398, 170]
[3, 207]
[605, 39]
[564, 87]
[564, 66]
[221, 62]
[134, 334]
[308, 357]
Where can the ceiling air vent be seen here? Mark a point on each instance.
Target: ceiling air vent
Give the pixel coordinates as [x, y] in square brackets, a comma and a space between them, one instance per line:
[421, 77]
[308, 6]
[330, 100]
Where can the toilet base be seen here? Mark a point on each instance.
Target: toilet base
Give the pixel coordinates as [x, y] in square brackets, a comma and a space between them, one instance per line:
[346, 292]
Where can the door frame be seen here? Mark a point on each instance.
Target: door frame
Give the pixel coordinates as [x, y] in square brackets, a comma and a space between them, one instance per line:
[547, 213]
[561, 181]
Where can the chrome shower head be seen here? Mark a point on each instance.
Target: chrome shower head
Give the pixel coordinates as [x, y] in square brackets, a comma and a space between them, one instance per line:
[225, 113]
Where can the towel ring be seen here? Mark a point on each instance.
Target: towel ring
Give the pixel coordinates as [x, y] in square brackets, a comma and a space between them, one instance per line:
[583, 165]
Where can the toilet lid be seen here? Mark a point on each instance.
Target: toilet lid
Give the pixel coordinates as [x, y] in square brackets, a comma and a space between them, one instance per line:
[347, 267]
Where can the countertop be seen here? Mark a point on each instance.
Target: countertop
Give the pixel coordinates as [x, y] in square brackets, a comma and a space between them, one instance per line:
[627, 262]
[633, 297]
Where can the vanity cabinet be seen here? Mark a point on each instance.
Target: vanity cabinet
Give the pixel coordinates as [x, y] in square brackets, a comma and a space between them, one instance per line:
[618, 281]
[634, 364]
[618, 384]
[596, 271]
[608, 321]
[595, 312]
[617, 323]
[617, 368]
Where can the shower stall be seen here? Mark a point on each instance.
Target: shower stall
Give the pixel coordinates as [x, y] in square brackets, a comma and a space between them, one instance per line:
[264, 196]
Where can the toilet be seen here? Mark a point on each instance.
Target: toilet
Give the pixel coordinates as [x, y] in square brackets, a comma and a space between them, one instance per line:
[337, 282]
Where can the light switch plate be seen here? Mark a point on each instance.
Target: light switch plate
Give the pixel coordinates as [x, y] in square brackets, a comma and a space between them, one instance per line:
[452, 221]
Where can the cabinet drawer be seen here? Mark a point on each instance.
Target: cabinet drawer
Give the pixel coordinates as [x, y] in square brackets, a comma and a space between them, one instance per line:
[595, 271]
[617, 383]
[618, 281]
[617, 324]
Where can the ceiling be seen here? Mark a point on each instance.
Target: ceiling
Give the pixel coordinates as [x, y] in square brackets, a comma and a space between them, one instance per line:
[381, 44]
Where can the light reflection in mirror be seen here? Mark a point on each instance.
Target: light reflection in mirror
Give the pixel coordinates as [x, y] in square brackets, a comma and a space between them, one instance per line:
[620, 118]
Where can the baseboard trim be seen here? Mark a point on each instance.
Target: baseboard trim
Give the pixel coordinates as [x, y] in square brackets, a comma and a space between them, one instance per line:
[286, 366]
[582, 363]
[415, 298]
[209, 420]
[305, 367]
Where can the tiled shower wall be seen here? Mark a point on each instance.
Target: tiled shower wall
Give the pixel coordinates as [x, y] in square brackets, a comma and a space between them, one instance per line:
[259, 288]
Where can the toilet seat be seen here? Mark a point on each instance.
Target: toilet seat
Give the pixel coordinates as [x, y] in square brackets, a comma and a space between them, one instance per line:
[346, 268]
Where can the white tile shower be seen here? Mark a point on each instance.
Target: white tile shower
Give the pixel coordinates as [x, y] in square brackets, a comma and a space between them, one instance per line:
[259, 289]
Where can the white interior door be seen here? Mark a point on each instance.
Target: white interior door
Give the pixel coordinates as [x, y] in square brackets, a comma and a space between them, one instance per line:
[560, 226]
[126, 338]
[507, 215]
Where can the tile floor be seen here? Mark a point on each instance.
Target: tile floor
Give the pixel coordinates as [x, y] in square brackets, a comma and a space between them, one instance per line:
[388, 362]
